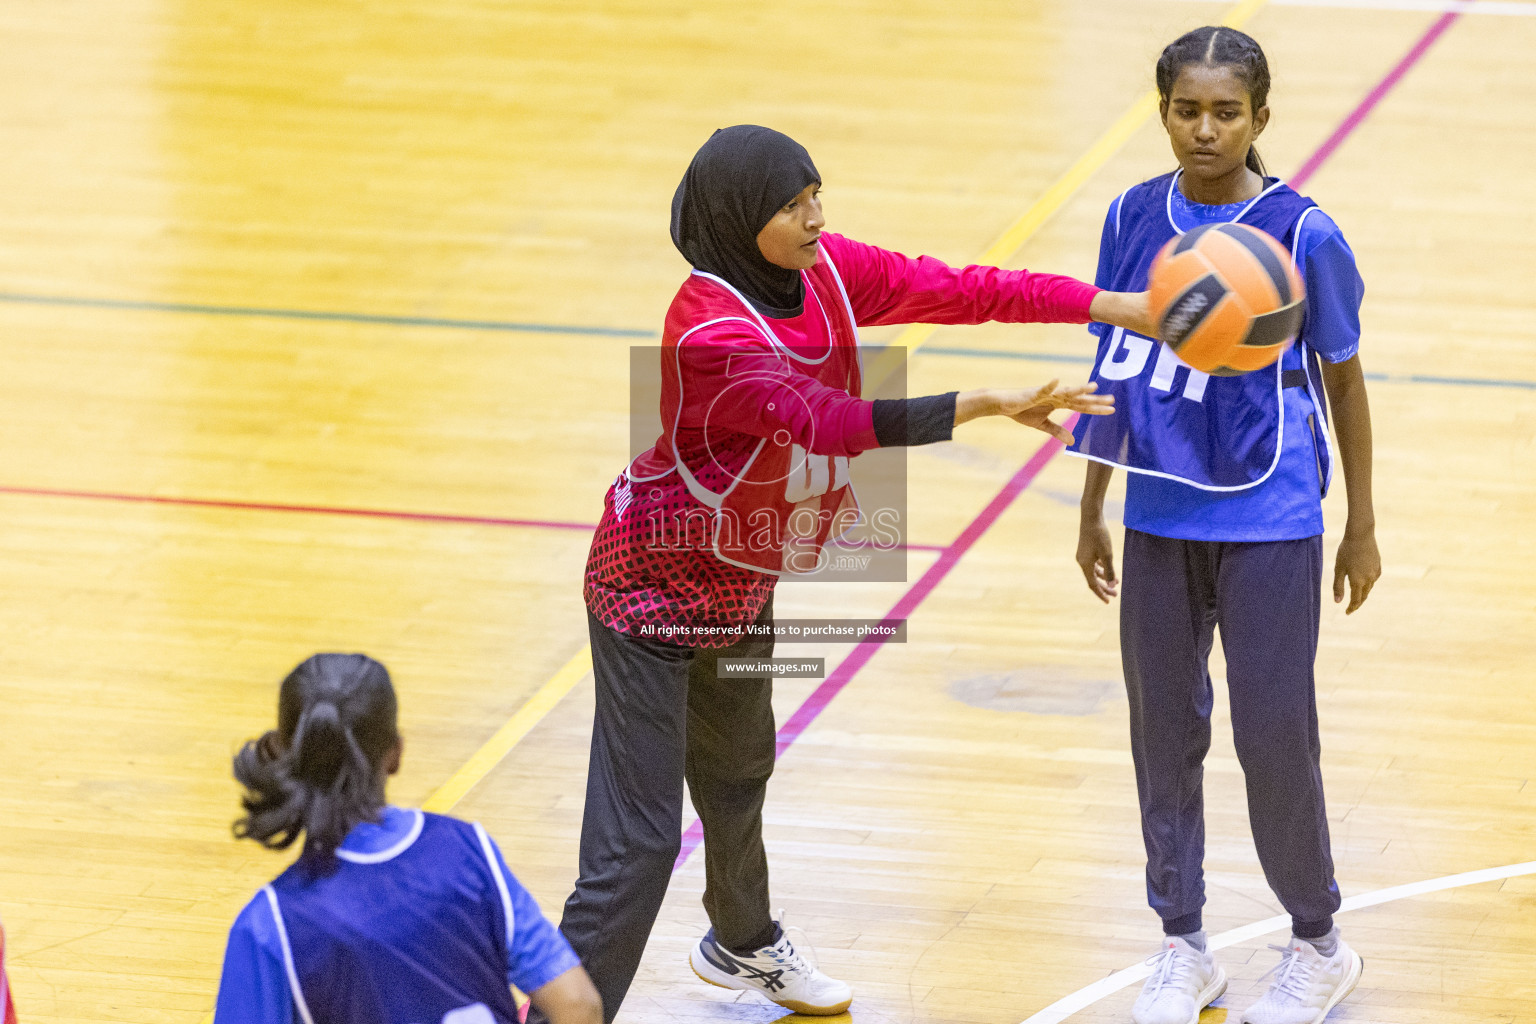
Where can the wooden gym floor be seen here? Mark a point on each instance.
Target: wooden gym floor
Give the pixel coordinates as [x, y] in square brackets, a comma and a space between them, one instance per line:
[478, 192]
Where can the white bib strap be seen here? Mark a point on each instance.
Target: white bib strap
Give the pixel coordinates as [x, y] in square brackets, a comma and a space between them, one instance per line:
[288, 966]
[501, 881]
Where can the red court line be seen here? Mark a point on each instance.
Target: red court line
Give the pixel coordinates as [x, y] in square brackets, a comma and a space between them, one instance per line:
[841, 676]
[1352, 121]
[324, 510]
[332, 510]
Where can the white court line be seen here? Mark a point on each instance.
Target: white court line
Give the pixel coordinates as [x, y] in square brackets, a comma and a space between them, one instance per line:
[1508, 8]
[1063, 1008]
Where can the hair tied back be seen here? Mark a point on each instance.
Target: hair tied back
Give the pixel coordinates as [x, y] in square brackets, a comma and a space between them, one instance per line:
[320, 745]
[322, 770]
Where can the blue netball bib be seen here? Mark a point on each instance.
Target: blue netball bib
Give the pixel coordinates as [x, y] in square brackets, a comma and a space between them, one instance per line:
[1172, 421]
[417, 934]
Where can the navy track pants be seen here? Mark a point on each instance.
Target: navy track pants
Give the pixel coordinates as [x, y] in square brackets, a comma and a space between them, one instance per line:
[1267, 599]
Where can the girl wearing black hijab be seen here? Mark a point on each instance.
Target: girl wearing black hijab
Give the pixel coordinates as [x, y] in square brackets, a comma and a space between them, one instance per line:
[761, 413]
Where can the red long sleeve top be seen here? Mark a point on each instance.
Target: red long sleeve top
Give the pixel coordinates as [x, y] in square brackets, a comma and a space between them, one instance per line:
[683, 591]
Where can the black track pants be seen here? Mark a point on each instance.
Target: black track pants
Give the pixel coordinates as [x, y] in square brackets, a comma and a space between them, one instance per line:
[663, 717]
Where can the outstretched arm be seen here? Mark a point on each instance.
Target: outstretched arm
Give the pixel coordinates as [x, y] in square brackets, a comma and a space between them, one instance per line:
[1358, 560]
[886, 287]
[1124, 309]
[750, 389]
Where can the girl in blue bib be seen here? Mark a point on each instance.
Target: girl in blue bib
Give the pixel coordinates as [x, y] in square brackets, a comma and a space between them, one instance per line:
[390, 915]
[1223, 516]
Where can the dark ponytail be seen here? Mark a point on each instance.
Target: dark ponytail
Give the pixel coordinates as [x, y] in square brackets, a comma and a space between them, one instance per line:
[1218, 46]
[321, 771]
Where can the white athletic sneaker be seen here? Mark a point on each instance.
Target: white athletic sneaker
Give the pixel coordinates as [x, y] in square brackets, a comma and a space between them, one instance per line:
[777, 972]
[1184, 981]
[1307, 984]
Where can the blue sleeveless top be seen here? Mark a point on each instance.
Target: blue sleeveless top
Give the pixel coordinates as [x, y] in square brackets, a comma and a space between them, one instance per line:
[1242, 458]
[423, 925]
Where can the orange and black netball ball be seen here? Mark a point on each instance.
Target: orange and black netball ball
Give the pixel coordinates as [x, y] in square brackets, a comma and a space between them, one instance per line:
[1226, 298]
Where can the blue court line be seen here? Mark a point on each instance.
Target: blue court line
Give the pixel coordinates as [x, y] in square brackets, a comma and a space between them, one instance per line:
[1387, 378]
[315, 314]
[517, 327]
[988, 353]
[1469, 382]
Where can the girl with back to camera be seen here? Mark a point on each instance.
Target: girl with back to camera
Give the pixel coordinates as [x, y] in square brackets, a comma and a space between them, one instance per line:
[1234, 541]
[389, 915]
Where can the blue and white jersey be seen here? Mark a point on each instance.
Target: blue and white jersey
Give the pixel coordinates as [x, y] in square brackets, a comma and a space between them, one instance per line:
[1244, 458]
[420, 923]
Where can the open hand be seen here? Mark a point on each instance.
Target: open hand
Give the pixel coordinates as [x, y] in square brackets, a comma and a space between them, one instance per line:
[1034, 408]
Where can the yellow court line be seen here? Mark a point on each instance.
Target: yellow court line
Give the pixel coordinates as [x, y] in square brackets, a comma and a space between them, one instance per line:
[1053, 199]
[508, 736]
[1007, 244]
[913, 337]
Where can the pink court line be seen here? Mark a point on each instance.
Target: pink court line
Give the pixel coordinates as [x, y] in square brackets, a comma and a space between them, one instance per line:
[949, 557]
[332, 510]
[841, 676]
[860, 655]
[1375, 96]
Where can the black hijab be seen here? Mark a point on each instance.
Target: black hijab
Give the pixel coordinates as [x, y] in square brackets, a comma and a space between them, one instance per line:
[737, 181]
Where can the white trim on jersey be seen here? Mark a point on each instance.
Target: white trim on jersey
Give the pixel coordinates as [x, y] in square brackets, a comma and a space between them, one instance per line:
[773, 339]
[667, 472]
[1279, 381]
[1279, 447]
[853, 321]
[1174, 183]
[411, 835]
[701, 493]
[501, 882]
[858, 355]
[282, 939]
[1318, 407]
[821, 307]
